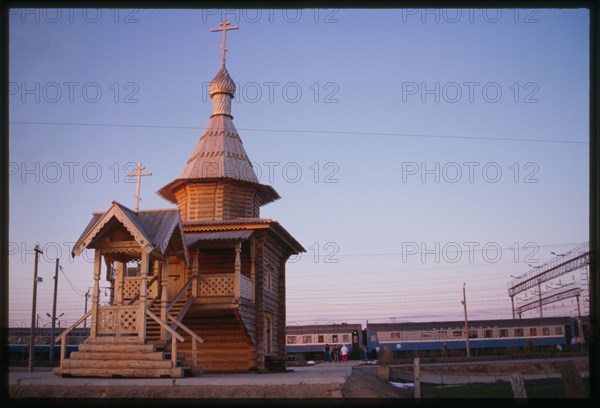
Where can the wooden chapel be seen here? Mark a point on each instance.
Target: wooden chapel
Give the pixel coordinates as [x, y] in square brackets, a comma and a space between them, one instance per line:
[198, 287]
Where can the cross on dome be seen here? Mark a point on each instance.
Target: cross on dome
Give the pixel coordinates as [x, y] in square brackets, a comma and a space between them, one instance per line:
[224, 28]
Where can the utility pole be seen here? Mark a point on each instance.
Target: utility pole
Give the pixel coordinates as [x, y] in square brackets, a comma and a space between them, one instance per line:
[33, 306]
[540, 296]
[464, 302]
[87, 296]
[512, 303]
[54, 311]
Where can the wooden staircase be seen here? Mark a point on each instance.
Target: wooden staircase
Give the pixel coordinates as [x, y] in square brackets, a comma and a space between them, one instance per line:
[227, 348]
[108, 359]
[153, 328]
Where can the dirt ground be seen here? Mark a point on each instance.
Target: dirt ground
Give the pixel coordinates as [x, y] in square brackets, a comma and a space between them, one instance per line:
[363, 383]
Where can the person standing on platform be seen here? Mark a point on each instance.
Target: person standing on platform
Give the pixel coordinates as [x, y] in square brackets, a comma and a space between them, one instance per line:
[344, 352]
[336, 354]
[326, 354]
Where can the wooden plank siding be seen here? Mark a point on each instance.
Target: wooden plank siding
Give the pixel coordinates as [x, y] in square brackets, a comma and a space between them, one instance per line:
[219, 200]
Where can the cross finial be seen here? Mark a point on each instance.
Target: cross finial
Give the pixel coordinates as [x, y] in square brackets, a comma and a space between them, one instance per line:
[224, 28]
[139, 175]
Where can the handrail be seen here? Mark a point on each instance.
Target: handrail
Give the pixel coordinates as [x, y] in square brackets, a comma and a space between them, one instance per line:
[61, 337]
[195, 339]
[174, 337]
[181, 292]
[186, 329]
[73, 326]
[164, 325]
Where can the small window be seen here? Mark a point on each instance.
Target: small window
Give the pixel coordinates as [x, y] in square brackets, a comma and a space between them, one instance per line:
[442, 334]
[346, 338]
[291, 339]
[373, 337]
[396, 336]
[488, 334]
[503, 333]
[269, 273]
[457, 333]
[546, 331]
[307, 339]
[558, 331]
[334, 338]
[519, 332]
[132, 268]
[533, 331]
[473, 334]
[320, 339]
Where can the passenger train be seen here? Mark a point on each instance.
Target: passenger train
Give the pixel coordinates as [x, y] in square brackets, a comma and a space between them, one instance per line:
[18, 342]
[486, 337]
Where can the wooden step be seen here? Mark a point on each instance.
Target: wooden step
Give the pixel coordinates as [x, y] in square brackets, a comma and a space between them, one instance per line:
[89, 355]
[117, 364]
[226, 367]
[176, 372]
[117, 348]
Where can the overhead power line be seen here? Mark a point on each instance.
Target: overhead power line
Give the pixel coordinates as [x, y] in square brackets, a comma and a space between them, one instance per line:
[339, 132]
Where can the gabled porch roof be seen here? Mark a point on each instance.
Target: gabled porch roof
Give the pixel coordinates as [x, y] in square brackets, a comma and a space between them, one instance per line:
[153, 230]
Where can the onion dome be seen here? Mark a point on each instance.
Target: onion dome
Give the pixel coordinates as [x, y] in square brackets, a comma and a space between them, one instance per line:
[222, 83]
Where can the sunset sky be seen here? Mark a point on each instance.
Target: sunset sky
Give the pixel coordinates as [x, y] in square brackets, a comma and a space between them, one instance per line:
[414, 150]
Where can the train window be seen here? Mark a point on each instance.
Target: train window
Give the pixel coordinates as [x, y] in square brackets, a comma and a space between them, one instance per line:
[546, 331]
[395, 336]
[503, 332]
[373, 337]
[307, 339]
[291, 339]
[320, 339]
[488, 334]
[457, 333]
[558, 330]
[533, 331]
[442, 334]
[346, 338]
[334, 338]
[519, 332]
[472, 334]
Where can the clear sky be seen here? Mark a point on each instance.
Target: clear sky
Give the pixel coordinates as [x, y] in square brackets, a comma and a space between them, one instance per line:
[414, 150]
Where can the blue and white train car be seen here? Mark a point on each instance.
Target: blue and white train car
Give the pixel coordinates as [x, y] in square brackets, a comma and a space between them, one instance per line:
[483, 334]
[307, 342]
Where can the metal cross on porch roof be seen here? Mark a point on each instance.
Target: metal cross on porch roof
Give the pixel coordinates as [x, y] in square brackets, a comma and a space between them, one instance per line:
[224, 28]
[139, 176]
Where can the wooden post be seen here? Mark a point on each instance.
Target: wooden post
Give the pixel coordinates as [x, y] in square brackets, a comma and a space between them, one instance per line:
[141, 321]
[164, 296]
[195, 272]
[237, 271]
[383, 372]
[155, 290]
[252, 267]
[518, 385]
[120, 278]
[194, 352]
[571, 378]
[417, 377]
[96, 292]
[173, 351]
